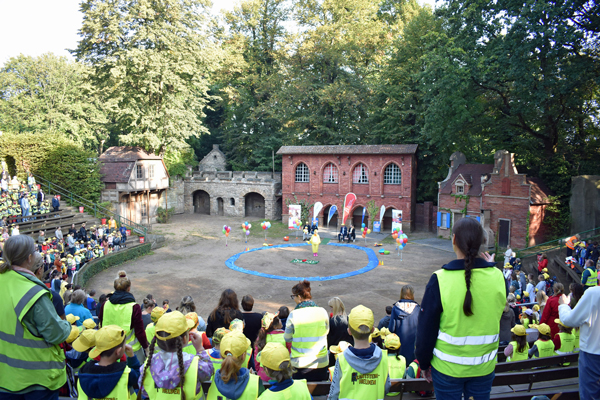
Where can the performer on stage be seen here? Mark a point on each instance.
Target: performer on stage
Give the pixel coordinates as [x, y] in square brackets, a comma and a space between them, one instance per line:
[315, 240]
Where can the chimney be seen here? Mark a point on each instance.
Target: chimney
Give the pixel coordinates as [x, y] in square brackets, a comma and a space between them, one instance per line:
[215, 147]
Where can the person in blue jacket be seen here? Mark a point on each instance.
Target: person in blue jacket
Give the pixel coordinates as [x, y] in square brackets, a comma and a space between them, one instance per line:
[404, 320]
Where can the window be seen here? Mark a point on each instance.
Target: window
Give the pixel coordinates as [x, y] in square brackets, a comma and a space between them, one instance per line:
[144, 210]
[140, 172]
[444, 222]
[151, 171]
[302, 173]
[232, 201]
[392, 175]
[330, 174]
[359, 175]
[460, 187]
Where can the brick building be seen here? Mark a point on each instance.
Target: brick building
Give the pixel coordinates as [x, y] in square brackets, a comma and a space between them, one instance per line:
[385, 174]
[509, 205]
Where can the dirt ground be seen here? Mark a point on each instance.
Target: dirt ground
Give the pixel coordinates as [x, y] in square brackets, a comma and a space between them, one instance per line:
[193, 263]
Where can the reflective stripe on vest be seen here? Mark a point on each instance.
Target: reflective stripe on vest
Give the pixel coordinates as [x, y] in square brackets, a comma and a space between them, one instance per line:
[397, 369]
[250, 391]
[120, 315]
[189, 385]
[592, 280]
[518, 356]
[545, 348]
[276, 338]
[309, 342]
[357, 386]
[121, 390]
[298, 391]
[467, 346]
[20, 351]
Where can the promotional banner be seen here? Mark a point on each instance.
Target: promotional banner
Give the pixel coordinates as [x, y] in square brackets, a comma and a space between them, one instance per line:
[396, 219]
[362, 221]
[348, 203]
[316, 210]
[376, 226]
[295, 211]
[332, 211]
[381, 213]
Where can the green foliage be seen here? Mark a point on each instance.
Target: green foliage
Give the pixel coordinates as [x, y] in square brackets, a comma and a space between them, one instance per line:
[98, 265]
[177, 161]
[558, 218]
[304, 211]
[372, 210]
[163, 215]
[462, 197]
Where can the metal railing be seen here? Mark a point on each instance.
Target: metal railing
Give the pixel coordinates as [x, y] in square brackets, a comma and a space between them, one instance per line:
[556, 243]
[77, 201]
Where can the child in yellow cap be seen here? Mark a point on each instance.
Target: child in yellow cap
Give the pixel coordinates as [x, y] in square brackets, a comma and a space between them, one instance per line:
[544, 346]
[275, 358]
[215, 353]
[270, 332]
[155, 315]
[564, 340]
[396, 362]
[233, 381]
[189, 348]
[171, 371]
[518, 348]
[361, 372]
[108, 378]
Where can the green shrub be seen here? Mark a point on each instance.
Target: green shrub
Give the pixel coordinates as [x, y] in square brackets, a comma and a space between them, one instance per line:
[98, 265]
[163, 215]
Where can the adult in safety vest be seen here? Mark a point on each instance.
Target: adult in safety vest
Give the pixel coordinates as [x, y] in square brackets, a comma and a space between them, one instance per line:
[306, 328]
[30, 331]
[589, 277]
[570, 243]
[121, 309]
[361, 372]
[275, 360]
[459, 318]
[233, 381]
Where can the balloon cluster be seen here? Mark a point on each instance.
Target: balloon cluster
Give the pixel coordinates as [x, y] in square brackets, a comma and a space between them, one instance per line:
[246, 227]
[400, 237]
[226, 230]
[297, 223]
[265, 225]
[365, 231]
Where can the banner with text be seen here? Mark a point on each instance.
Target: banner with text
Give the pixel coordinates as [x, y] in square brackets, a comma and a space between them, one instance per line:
[295, 212]
[396, 219]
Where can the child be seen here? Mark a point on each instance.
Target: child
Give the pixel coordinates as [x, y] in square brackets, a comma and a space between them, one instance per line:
[171, 371]
[215, 354]
[528, 318]
[233, 381]
[157, 312]
[189, 348]
[270, 332]
[518, 348]
[107, 377]
[336, 350]
[166, 306]
[541, 286]
[275, 358]
[363, 359]
[526, 298]
[564, 340]
[283, 313]
[396, 362]
[543, 347]
[315, 240]
[376, 338]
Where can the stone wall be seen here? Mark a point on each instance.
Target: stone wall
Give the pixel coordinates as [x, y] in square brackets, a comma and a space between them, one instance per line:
[585, 203]
[213, 161]
[175, 195]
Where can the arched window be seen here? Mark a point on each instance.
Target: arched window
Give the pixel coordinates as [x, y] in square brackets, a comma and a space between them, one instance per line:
[330, 174]
[460, 187]
[359, 175]
[392, 175]
[302, 173]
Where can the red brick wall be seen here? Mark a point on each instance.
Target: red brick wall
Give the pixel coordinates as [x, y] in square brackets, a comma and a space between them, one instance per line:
[538, 231]
[397, 196]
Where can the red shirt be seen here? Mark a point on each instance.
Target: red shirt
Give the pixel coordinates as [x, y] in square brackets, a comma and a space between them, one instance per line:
[550, 314]
[542, 264]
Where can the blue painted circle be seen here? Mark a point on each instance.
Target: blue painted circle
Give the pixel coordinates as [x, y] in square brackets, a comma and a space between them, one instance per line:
[372, 264]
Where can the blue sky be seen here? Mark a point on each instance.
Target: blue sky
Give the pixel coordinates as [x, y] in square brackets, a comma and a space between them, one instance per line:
[34, 27]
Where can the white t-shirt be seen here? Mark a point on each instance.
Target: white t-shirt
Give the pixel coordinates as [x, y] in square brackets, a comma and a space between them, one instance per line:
[585, 315]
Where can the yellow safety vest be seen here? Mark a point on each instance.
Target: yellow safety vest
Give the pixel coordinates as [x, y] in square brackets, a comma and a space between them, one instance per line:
[150, 332]
[298, 391]
[567, 345]
[189, 385]
[545, 348]
[121, 391]
[357, 386]
[25, 359]
[467, 346]
[276, 338]
[120, 315]
[309, 342]
[216, 362]
[518, 356]
[397, 369]
[576, 343]
[592, 280]
[250, 392]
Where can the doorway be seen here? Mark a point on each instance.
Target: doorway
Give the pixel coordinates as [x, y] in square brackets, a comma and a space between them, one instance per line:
[503, 232]
[201, 202]
[220, 206]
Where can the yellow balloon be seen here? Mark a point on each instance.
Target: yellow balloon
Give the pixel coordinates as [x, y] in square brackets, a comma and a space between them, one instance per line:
[368, 231]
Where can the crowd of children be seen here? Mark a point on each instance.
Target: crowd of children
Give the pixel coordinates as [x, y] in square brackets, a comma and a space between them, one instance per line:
[21, 199]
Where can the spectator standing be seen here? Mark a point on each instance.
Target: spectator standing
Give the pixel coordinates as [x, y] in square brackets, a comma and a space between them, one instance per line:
[41, 196]
[77, 308]
[252, 320]
[147, 307]
[463, 302]
[123, 232]
[58, 233]
[385, 321]
[25, 302]
[589, 277]
[112, 225]
[543, 263]
[41, 239]
[507, 322]
[306, 328]
[338, 326]
[121, 309]
[90, 303]
[73, 231]
[507, 255]
[404, 321]
[83, 233]
[55, 203]
[226, 311]
[550, 313]
[541, 286]
[71, 244]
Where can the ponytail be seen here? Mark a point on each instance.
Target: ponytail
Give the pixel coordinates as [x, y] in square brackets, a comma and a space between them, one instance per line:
[181, 368]
[148, 364]
[469, 258]
[230, 367]
[468, 238]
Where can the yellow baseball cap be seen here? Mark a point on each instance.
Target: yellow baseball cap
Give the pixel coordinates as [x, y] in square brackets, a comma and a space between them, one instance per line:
[193, 317]
[89, 323]
[108, 337]
[173, 323]
[519, 330]
[72, 318]
[236, 325]
[85, 341]
[518, 297]
[384, 332]
[267, 320]
[546, 276]
[526, 294]
[536, 307]
[375, 333]
[544, 329]
[545, 270]
[361, 315]
[234, 343]
[340, 347]
[218, 335]
[559, 322]
[392, 341]
[272, 355]
[73, 335]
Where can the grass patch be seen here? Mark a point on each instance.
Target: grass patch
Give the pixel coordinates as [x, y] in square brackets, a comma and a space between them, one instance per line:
[276, 232]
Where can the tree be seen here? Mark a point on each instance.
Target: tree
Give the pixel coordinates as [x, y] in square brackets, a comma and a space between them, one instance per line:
[50, 94]
[151, 61]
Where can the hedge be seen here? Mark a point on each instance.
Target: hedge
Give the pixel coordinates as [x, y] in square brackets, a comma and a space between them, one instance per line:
[94, 267]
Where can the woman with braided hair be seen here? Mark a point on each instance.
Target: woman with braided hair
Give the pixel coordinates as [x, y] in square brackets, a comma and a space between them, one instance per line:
[171, 372]
[459, 321]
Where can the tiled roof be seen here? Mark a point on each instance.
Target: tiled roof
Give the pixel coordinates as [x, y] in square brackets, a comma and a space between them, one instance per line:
[539, 191]
[126, 153]
[349, 149]
[472, 174]
[117, 172]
